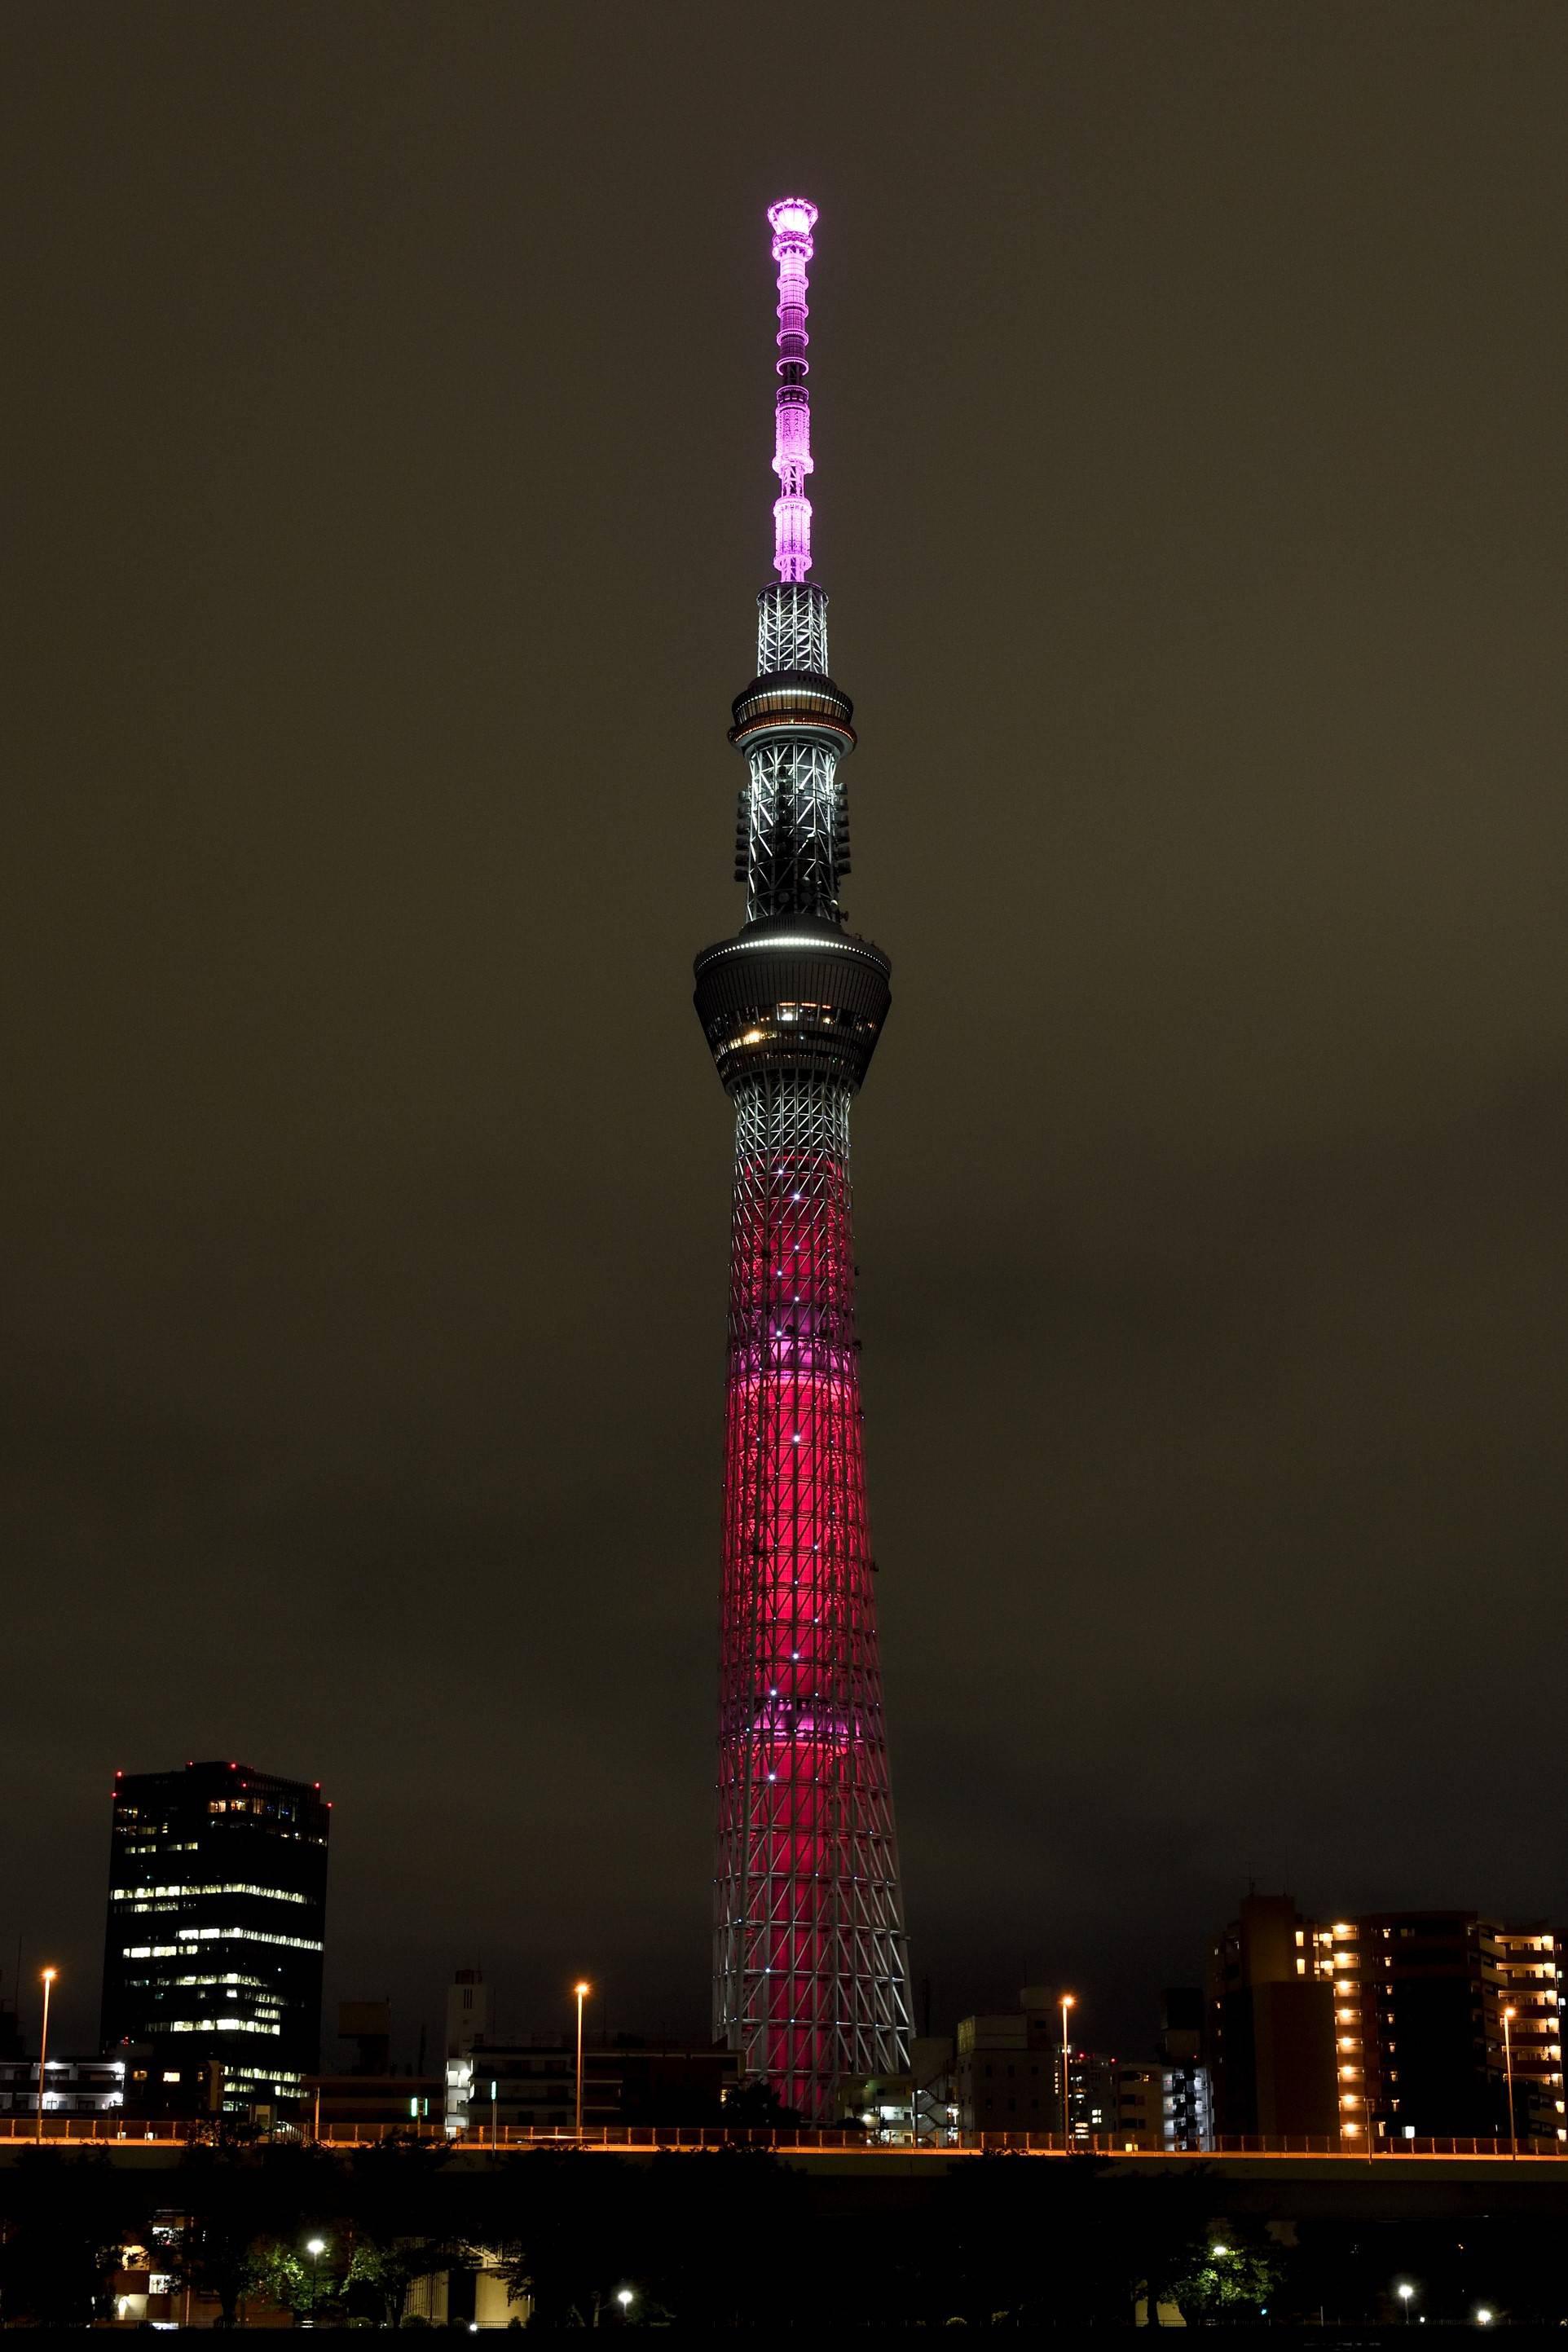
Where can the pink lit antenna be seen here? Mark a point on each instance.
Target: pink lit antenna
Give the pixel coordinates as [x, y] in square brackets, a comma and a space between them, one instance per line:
[792, 222]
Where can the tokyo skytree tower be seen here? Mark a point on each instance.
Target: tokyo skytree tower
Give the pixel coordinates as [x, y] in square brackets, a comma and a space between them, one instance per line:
[810, 1963]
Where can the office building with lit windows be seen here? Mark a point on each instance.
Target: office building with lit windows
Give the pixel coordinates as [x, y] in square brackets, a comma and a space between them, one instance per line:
[212, 1972]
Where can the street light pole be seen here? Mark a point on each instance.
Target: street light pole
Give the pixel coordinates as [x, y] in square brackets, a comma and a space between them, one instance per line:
[1508, 2017]
[49, 1976]
[582, 1992]
[1068, 2000]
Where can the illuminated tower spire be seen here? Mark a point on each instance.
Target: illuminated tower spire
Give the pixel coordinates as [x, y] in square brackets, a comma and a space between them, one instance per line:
[792, 223]
[810, 1967]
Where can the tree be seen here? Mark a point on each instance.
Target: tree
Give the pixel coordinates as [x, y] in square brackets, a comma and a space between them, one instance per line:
[715, 2239]
[1236, 2277]
[1013, 2229]
[1042, 2242]
[757, 2107]
[293, 2280]
[565, 2224]
[245, 2217]
[216, 2250]
[1143, 2235]
[402, 2230]
[66, 2220]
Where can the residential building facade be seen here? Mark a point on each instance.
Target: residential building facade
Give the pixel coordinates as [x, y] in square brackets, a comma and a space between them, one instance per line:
[75, 2086]
[1435, 2011]
[530, 2084]
[1269, 2019]
[1163, 2105]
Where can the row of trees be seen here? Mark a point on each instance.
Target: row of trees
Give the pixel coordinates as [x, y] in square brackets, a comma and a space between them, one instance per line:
[234, 2225]
[730, 2238]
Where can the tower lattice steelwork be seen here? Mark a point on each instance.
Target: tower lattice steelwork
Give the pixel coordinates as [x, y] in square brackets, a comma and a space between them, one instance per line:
[810, 1969]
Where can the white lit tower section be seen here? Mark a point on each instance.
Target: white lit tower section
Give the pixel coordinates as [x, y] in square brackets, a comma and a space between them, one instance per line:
[810, 1965]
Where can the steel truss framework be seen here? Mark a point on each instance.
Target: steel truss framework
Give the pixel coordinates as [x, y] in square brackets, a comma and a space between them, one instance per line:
[792, 829]
[792, 627]
[811, 1963]
[811, 1968]
[792, 843]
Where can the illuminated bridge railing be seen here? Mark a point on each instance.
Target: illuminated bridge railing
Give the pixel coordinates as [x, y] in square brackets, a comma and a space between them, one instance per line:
[633, 2139]
[826, 2141]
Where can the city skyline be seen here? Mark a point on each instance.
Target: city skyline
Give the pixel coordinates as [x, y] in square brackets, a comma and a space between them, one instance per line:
[384, 467]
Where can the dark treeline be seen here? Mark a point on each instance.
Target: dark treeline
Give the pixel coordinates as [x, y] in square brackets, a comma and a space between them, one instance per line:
[732, 2238]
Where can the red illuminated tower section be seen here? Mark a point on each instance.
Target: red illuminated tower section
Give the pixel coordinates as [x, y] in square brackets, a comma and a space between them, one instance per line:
[810, 1969]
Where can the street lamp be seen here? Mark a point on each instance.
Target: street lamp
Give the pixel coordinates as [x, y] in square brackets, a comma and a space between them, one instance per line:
[1483, 2317]
[582, 1992]
[1508, 2017]
[49, 1978]
[625, 2297]
[1405, 2293]
[1068, 2000]
[1219, 2252]
[315, 2248]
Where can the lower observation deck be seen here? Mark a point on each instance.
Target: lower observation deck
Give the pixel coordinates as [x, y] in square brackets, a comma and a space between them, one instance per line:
[793, 992]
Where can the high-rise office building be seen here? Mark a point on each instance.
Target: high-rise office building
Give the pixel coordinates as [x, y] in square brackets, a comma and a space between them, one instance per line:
[212, 1972]
[810, 1970]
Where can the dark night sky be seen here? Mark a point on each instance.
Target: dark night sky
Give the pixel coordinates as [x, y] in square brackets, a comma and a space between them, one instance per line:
[386, 438]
